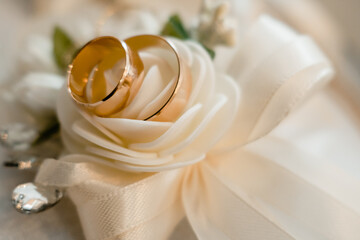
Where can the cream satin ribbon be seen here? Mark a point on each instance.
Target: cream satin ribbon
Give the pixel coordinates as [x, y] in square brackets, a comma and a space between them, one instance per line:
[254, 192]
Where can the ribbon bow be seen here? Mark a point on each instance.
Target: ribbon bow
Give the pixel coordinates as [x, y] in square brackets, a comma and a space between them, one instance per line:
[248, 192]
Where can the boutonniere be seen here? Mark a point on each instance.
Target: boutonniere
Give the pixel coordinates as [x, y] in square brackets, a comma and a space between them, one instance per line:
[153, 130]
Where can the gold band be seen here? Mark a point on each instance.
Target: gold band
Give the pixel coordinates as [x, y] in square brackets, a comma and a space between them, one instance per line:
[105, 76]
[176, 99]
[107, 73]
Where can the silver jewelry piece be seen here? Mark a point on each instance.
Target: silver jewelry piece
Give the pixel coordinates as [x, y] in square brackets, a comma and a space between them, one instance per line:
[30, 198]
[23, 162]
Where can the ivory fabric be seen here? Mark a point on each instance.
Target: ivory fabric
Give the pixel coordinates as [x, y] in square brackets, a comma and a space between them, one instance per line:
[259, 191]
[276, 69]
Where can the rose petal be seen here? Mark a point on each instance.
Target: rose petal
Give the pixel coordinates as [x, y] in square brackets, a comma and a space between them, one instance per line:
[126, 159]
[88, 132]
[218, 102]
[206, 89]
[152, 85]
[199, 76]
[185, 159]
[183, 50]
[157, 102]
[135, 130]
[177, 131]
[224, 118]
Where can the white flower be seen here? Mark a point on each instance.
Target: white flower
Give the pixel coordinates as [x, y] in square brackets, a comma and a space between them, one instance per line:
[156, 146]
[39, 91]
[37, 54]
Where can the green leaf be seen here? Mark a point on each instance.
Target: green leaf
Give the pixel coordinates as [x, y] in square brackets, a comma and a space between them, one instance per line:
[64, 48]
[210, 51]
[175, 28]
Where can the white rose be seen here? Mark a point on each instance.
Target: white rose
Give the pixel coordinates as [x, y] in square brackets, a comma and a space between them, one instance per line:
[156, 146]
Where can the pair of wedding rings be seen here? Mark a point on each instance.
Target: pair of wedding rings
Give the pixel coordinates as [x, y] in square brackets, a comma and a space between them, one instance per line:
[107, 73]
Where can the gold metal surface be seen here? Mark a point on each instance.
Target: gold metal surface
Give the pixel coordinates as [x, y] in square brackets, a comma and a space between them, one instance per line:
[105, 76]
[175, 102]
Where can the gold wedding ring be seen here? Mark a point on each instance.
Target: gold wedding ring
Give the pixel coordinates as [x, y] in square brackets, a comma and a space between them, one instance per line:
[107, 73]
[105, 76]
[176, 98]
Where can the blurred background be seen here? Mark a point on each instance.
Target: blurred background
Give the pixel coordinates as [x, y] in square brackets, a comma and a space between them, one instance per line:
[15, 13]
[346, 14]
